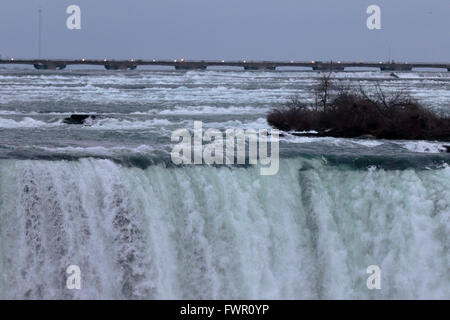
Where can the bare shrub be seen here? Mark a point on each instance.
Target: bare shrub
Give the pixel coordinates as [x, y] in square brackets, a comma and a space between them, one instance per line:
[341, 112]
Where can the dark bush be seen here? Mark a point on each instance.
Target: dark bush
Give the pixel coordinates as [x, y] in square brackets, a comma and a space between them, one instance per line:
[340, 112]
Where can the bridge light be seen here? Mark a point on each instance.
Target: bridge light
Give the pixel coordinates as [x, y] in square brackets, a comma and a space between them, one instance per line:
[154, 60]
[223, 61]
[132, 60]
[381, 62]
[105, 60]
[313, 61]
[292, 61]
[83, 60]
[175, 60]
[338, 62]
[12, 59]
[182, 59]
[244, 61]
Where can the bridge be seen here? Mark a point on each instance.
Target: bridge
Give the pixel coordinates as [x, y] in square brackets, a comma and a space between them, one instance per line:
[59, 64]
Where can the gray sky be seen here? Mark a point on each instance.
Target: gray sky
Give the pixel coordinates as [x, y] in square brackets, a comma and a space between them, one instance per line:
[415, 30]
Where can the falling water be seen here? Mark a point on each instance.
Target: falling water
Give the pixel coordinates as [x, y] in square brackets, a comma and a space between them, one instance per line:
[202, 232]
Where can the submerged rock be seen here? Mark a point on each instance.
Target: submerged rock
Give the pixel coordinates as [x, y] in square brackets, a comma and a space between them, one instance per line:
[79, 118]
[395, 76]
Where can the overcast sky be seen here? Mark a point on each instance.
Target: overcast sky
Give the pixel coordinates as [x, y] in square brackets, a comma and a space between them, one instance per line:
[412, 30]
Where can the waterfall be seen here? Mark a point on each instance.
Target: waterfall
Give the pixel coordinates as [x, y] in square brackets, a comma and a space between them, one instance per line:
[201, 232]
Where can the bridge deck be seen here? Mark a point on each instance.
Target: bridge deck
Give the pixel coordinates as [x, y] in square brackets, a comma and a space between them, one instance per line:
[203, 64]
